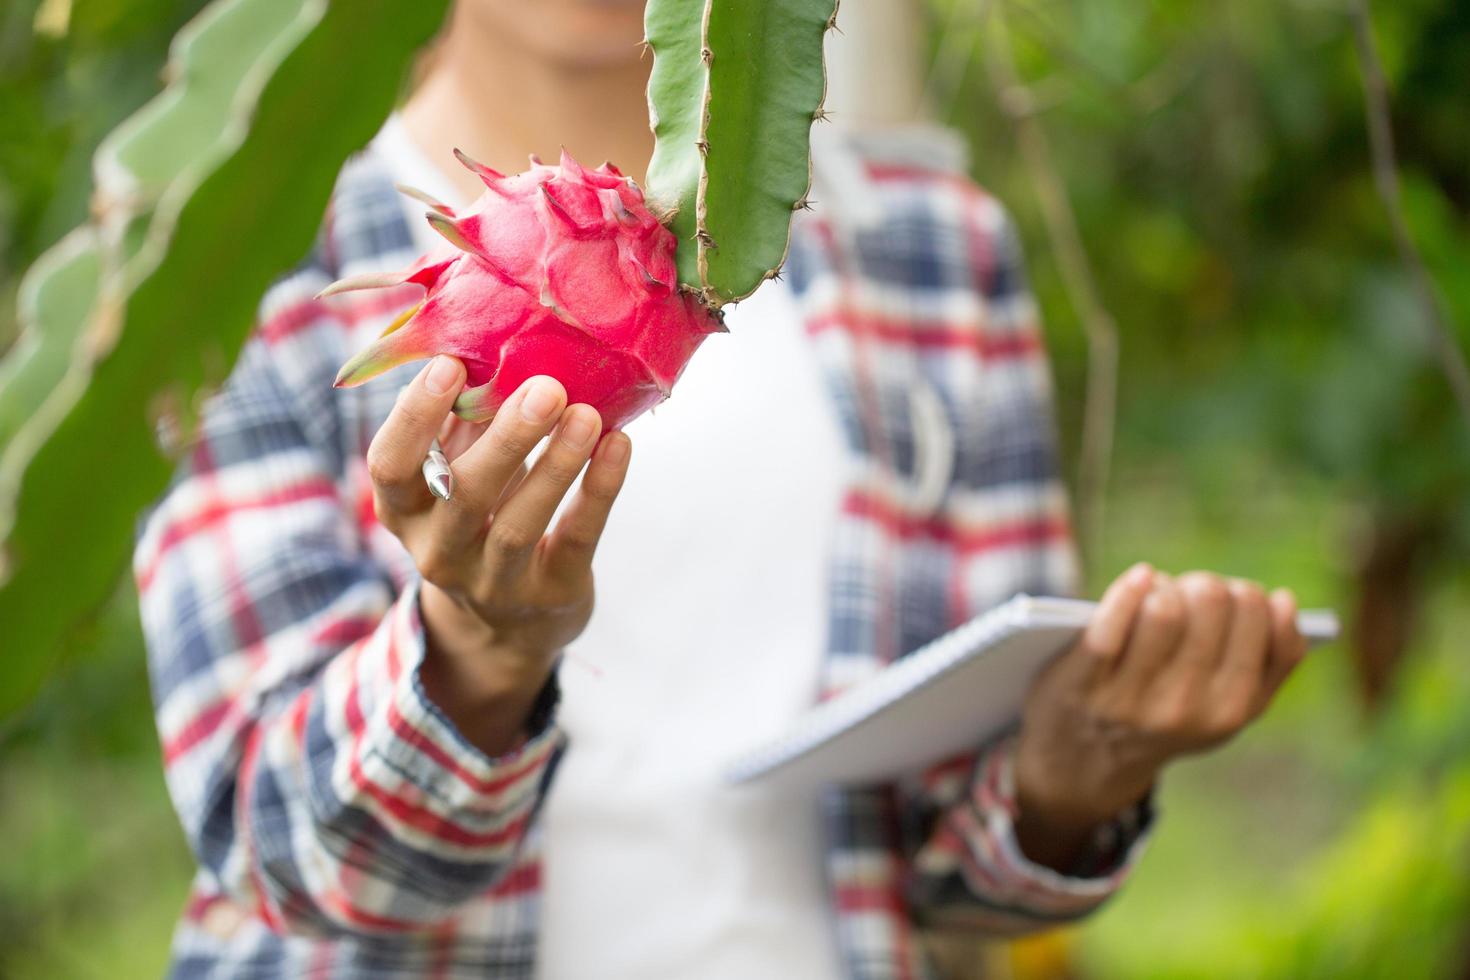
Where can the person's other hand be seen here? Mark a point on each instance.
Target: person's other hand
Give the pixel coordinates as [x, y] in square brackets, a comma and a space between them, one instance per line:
[1167, 667]
[500, 595]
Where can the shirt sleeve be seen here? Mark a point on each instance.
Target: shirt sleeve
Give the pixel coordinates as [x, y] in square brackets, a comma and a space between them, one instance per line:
[970, 871]
[314, 778]
[968, 868]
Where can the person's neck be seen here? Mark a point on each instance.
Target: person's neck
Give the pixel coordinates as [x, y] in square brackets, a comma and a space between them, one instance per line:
[500, 103]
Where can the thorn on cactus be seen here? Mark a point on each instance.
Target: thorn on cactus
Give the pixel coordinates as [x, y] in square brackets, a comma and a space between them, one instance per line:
[804, 204]
[706, 55]
[821, 115]
[703, 146]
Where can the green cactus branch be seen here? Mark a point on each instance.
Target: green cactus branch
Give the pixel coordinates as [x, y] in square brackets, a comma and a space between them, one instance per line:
[207, 194]
[766, 84]
[676, 99]
[55, 300]
[736, 86]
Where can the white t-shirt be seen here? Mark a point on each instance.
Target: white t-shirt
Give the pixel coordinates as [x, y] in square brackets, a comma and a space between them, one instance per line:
[708, 635]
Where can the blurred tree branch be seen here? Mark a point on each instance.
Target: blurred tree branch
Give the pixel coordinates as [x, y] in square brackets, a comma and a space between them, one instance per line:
[1386, 178]
[1100, 402]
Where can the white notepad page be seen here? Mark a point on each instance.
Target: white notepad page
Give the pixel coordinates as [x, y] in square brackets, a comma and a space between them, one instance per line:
[944, 699]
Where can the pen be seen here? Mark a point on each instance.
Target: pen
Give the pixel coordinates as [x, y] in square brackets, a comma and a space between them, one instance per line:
[436, 472]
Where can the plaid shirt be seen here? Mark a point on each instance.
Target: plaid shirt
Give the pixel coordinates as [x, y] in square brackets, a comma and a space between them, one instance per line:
[344, 828]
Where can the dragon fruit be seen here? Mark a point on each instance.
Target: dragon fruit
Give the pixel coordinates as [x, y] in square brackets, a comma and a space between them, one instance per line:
[562, 271]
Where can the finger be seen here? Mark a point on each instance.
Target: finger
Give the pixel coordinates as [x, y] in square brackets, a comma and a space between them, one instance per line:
[457, 435]
[1207, 607]
[511, 487]
[1239, 675]
[573, 542]
[520, 522]
[1152, 643]
[1107, 631]
[1288, 646]
[396, 455]
[482, 472]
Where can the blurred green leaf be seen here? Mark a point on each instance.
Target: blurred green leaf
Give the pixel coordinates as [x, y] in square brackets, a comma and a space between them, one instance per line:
[171, 318]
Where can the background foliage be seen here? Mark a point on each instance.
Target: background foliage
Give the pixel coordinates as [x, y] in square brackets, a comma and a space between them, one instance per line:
[1280, 416]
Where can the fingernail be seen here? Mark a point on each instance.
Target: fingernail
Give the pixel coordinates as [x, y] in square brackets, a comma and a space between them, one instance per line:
[442, 375]
[615, 450]
[540, 401]
[1141, 573]
[578, 431]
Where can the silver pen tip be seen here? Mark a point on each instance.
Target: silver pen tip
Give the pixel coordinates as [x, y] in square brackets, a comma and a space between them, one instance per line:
[439, 485]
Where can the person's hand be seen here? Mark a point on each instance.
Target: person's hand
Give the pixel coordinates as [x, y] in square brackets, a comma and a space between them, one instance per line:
[500, 596]
[1167, 667]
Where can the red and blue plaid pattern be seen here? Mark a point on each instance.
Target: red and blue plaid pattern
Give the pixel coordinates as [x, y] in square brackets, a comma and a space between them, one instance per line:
[345, 829]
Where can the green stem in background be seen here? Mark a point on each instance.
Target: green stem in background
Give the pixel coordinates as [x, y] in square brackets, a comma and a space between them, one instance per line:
[1386, 180]
[1100, 409]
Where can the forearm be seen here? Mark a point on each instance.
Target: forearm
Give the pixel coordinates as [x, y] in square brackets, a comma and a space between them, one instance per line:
[485, 686]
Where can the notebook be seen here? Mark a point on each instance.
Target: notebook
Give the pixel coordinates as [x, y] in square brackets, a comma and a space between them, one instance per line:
[944, 699]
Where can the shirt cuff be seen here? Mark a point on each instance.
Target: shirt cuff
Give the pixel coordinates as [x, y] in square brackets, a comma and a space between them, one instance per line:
[1099, 871]
[423, 749]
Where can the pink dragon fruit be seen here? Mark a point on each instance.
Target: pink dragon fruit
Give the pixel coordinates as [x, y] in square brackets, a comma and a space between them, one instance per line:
[561, 271]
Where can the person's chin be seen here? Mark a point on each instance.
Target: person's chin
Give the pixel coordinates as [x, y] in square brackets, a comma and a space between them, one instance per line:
[602, 32]
[573, 33]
